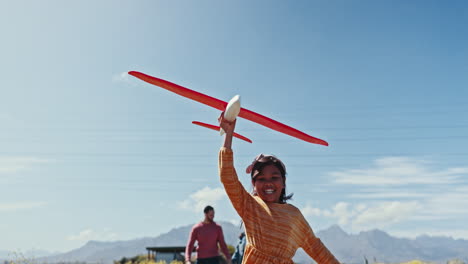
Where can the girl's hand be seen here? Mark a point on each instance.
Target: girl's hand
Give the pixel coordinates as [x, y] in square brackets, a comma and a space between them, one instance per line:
[227, 126]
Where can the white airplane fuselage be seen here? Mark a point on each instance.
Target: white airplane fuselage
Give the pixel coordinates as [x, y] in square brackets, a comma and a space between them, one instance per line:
[232, 110]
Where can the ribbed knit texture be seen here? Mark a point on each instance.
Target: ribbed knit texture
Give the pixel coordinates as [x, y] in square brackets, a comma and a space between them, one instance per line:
[274, 231]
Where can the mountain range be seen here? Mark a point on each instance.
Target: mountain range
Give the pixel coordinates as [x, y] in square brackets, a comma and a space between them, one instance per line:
[374, 246]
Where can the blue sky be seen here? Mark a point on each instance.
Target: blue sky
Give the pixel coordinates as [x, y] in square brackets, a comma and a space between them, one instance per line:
[88, 152]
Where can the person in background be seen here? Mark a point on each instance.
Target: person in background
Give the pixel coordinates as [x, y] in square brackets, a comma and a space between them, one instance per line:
[208, 234]
[274, 228]
[240, 247]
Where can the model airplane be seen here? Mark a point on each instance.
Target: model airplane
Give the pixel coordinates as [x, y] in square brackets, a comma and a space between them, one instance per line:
[231, 110]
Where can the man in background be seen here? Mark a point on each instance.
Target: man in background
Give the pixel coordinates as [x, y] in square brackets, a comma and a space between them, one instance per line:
[208, 234]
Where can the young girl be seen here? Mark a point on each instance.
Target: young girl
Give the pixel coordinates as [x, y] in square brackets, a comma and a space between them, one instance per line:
[274, 228]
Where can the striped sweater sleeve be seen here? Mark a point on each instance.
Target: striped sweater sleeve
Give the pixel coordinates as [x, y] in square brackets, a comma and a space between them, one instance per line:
[314, 247]
[236, 192]
[319, 252]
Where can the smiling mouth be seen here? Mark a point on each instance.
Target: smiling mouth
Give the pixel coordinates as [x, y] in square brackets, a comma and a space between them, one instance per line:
[269, 191]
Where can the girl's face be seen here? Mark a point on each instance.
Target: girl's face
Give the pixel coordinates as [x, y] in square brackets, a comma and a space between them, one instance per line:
[268, 184]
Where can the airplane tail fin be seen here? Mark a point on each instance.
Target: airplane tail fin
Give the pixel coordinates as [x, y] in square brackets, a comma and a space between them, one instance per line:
[217, 128]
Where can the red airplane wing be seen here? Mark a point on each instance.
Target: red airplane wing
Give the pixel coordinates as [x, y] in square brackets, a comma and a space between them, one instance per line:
[180, 90]
[280, 127]
[221, 105]
[217, 129]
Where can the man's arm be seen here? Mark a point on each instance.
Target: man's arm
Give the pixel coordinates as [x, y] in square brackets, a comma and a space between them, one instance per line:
[223, 245]
[190, 243]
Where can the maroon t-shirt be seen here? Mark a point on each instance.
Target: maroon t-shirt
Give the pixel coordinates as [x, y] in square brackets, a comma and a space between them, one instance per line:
[208, 236]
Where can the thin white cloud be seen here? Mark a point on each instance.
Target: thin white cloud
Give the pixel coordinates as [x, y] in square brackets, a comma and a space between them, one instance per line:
[235, 222]
[449, 204]
[341, 212]
[15, 164]
[398, 171]
[398, 180]
[90, 234]
[201, 198]
[121, 77]
[415, 232]
[310, 211]
[388, 194]
[385, 214]
[361, 216]
[20, 206]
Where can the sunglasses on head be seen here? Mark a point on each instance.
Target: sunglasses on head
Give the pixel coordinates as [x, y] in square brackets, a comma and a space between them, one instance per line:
[266, 158]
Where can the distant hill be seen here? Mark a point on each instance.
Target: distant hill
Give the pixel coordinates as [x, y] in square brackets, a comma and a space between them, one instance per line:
[349, 248]
[378, 245]
[107, 252]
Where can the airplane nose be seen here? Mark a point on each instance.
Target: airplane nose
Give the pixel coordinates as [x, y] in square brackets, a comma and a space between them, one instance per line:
[231, 111]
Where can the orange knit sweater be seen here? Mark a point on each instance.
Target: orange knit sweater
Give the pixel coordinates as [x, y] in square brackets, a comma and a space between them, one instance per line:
[274, 231]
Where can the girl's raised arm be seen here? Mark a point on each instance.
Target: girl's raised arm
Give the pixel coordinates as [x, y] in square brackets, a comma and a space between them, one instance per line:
[228, 127]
